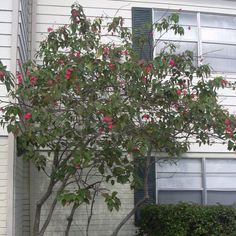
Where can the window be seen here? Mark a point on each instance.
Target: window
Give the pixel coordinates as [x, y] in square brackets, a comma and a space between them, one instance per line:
[197, 180]
[211, 37]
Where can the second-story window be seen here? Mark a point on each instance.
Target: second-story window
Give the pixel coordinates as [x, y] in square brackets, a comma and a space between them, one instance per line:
[211, 38]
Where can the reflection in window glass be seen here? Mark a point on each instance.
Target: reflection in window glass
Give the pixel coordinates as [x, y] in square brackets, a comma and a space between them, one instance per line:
[167, 197]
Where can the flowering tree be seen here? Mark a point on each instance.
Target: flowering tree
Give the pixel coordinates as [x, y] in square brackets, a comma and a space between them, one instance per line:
[97, 109]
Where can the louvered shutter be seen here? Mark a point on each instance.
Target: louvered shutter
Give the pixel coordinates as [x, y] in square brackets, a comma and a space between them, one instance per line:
[142, 30]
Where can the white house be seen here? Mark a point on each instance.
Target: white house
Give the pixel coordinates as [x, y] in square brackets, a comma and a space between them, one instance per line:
[205, 175]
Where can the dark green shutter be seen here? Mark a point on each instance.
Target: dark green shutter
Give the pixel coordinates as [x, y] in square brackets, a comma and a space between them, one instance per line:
[142, 29]
[139, 193]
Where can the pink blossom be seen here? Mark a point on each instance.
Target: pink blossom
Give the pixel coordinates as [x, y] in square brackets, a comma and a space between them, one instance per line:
[224, 82]
[146, 117]
[228, 129]
[172, 62]
[144, 79]
[111, 66]
[106, 51]
[125, 52]
[107, 119]
[110, 126]
[19, 78]
[77, 54]
[50, 29]
[68, 73]
[2, 73]
[27, 116]
[227, 121]
[74, 12]
[61, 61]
[33, 80]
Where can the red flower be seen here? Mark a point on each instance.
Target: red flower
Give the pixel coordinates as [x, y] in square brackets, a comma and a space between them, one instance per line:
[33, 80]
[50, 29]
[148, 68]
[106, 51]
[77, 54]
[27, 116]
[224, 82]
[61, 61]
[74, 12]
[144, 79]
[107, 119]
[19, 78]
[172, 62]
[185, 92]
[111, 66]
[146, 117]
[110, 126]
[228, 130]
[227, 121]
[125, 52]
[1, 74]
[68, 73]
[178, 91]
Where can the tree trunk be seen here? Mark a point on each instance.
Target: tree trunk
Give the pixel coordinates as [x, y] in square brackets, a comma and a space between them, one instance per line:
[39, 207]
[70, 219]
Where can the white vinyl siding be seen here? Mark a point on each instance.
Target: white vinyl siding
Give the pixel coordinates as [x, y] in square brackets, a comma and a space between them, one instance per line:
[5, 57]
[21, 170]
[3, 184]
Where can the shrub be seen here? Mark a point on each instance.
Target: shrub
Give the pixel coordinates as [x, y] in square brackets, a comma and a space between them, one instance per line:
[187, 220]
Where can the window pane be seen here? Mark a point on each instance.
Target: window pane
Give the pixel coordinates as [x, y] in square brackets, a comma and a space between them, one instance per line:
[221, 173]
[221, 65]
[186, 18]
[221, 181]
[218, 35]
[220, 21]
[180, 47]
[219, 197]
[189, 35]
[219, 51]
[167, 197]
[220, 165]
[182, 165]
[179, 180]
[222, 58]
